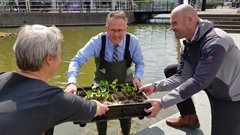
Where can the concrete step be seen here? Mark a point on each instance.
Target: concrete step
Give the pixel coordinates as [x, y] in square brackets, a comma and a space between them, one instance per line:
[237, 31]
[219, 15]
[227, 26]
[227, 22]
[224, 18]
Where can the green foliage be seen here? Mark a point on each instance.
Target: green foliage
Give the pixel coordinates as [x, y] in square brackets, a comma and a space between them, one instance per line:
[128, 89]
[103, 90]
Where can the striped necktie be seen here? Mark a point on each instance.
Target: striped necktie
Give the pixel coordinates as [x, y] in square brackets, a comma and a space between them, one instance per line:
[115, 54]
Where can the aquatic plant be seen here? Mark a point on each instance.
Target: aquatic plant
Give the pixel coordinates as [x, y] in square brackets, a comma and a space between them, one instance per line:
[113, 92]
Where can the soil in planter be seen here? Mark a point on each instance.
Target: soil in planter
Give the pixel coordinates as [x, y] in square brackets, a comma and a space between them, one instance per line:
[113, 94]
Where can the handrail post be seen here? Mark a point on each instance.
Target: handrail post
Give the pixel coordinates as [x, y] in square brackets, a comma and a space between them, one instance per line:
[167, 5]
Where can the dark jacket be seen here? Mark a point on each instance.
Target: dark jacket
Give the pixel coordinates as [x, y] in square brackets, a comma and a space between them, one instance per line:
[30, 106]
[210, 61]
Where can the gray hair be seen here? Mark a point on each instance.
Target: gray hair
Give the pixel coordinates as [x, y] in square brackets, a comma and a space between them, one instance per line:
[34, 43]
[117, 15]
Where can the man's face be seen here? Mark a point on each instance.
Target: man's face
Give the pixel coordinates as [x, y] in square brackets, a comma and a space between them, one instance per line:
[178, 25]
[116, 29]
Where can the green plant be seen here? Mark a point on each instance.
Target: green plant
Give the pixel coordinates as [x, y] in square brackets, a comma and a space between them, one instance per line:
[103, 91]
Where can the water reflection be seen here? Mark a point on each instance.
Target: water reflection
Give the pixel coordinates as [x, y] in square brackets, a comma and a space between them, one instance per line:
[159, 48]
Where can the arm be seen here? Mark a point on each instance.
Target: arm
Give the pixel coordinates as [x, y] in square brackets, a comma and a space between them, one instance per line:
[184, 71]
[138, 60]
[101, 108]
[91, 49]
[65, 107]
[206, 70]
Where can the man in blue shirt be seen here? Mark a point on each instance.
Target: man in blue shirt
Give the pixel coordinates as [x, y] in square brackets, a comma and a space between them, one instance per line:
[114, 52]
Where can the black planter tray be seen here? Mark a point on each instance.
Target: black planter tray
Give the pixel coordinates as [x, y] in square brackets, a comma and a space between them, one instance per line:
[119, 111]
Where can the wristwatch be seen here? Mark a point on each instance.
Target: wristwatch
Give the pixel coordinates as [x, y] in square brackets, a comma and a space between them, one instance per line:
[71, 83]
[155, 86]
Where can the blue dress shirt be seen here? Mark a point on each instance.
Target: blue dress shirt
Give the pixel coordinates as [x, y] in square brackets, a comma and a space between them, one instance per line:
[92, 49]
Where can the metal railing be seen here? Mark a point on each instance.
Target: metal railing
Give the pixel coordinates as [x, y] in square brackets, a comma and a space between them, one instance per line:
[81, 6]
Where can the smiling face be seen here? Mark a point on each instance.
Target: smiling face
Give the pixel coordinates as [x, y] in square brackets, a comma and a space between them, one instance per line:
[178, 25]
[184, 21]
[116, 29]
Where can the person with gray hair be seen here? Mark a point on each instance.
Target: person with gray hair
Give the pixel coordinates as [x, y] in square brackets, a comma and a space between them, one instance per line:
[29, 105]
[114, 51]
[209, 61]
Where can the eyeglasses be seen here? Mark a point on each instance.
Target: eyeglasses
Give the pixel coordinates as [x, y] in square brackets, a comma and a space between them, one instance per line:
[113, 31]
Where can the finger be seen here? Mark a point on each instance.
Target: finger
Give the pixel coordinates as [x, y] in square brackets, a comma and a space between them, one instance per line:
[137, 85]
[147, 93]
[152, 114]
[73, 91]
[147, 110]
[148, 101]
[104, 109]
[143, 89]
[107, 109]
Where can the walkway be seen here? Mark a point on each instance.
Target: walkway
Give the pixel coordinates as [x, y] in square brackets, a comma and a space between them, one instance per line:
[223, 10]
[203, 111]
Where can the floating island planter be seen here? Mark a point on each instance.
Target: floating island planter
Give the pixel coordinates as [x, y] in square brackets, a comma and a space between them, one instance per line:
[5, 35]
[123, 100]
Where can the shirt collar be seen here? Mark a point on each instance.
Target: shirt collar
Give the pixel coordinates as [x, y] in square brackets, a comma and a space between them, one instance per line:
[196, 30]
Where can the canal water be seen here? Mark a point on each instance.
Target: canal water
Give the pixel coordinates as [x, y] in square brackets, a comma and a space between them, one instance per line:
[159, 47]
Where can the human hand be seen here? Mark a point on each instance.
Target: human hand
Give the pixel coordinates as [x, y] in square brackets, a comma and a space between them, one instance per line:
[156, 107]
[136, 82]
[71, 88]
[101, 108]
[147, 89]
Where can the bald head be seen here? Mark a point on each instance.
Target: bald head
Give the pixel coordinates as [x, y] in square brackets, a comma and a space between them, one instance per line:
[184, 11]
[184, 20]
